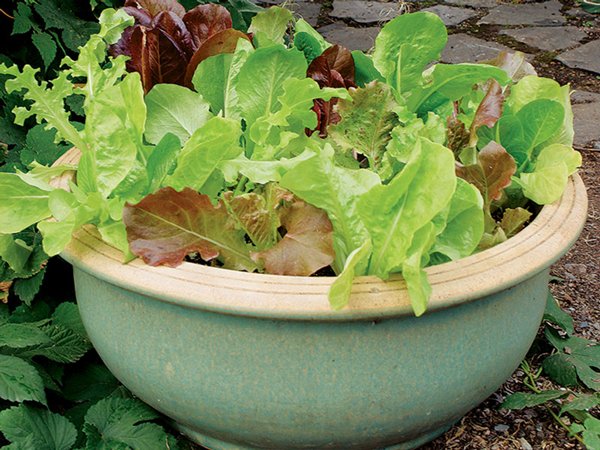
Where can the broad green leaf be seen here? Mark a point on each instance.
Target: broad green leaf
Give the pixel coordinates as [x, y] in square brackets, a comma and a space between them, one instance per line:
[318, 181]
[339, 292]
[27, 288]
[174, 109]
[162, 161]
[366, 122]
[113, 23]
[270, 26]
[48, 102]
[393, 213]
[405, 46]
[122, 423]
[40, 146]
[260, 80]
[67, 315]
[450, 82]
[365, 71]
[591, 433]
[14, 252]
[13, 194]
[261, 172]
[43, 429]
[303, 27]
[20, 335]
[115, 125]
[216, 79]
[532, 88]
[581, 402]
[464, 223]
[309, 45]
[64, 346]
[168, 225]
[46, 46]
[215, 142]
[548, 180]
[540, 120]
[19, 381]
[306, 246]
[522, 400]
[23, 20]
[556, 315]
[577, 358]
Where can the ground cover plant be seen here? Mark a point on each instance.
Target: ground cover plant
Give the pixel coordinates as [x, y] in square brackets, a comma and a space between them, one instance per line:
[242, 150]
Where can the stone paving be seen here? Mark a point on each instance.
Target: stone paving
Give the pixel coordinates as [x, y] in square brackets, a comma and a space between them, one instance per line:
[540, 29]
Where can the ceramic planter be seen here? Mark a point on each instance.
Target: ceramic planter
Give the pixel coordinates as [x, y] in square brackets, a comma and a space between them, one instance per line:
[242, 360]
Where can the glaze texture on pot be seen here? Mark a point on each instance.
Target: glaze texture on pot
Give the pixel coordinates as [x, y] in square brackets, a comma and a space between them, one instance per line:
[244, 360]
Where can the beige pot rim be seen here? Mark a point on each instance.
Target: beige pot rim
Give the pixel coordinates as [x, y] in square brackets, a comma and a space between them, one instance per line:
[534, 249]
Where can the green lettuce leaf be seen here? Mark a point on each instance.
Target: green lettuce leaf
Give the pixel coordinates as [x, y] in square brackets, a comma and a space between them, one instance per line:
[14, 192]
[405, 46]
[260, 80]
[216, 141]
[366, 122]
[317, 181]
[174, 109]
[551, 171]
[270, 26]
[19, 380]
[393, 213]
[339, 292]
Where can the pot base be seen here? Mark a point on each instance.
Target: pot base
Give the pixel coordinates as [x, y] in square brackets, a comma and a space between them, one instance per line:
[217, 444]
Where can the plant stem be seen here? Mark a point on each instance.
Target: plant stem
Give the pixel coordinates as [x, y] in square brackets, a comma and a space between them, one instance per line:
[530, 383]
[6, 14]
[240, 186]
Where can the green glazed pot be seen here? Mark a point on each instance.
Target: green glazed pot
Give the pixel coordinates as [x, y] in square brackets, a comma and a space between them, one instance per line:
[241, 360]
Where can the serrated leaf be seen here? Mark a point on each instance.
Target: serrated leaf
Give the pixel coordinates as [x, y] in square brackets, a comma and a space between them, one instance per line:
[24, 20]
[65, 345]
[521, 400]
[40, 146]
[581, 402]
[46, 430]
[46, 46]
[366, 122]
[168, 225]
[577, 358]
[27, 288]
[121, 423]
[19, 381]
[307, 245]
[556, 315]
[16, 335]
[67, 315]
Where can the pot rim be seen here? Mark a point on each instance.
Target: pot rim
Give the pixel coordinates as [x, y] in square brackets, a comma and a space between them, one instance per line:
[541, 243]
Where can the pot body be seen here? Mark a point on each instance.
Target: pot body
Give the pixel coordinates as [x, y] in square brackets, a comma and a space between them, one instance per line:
[256, 382]
[243, 360]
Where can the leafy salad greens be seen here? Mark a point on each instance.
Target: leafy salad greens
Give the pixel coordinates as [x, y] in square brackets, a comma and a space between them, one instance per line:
[288, 155]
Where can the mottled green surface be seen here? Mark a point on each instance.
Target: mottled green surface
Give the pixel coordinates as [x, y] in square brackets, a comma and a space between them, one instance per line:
[310, 384]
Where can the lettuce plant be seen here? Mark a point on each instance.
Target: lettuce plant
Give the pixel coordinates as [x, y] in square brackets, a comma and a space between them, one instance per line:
[413, 164]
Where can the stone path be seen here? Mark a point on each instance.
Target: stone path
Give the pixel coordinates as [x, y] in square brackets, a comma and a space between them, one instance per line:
[552, 35]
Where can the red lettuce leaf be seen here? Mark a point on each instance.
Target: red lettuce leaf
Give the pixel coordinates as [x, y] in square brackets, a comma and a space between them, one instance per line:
[204, 21]
[334, 68]
[151, 8]
[223, 42]
[488, 112]
[491, 174]
[158, 55]
[167, 226]
[307, 245]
